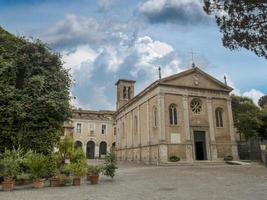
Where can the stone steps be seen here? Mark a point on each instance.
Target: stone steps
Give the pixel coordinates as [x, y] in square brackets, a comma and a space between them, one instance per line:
[195, 163]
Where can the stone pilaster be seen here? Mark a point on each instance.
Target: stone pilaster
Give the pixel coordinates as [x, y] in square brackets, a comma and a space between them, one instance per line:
[232, 130]
[163, 153]
[161, 113]
[96, 151]
[213, 153]
[189, 149]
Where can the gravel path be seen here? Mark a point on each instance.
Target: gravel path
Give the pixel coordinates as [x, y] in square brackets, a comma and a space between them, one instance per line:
[137, 182]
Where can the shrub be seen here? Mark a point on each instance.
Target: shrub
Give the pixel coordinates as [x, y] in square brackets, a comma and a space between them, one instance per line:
[10, 163]
[94, 169]
[110, 167]
[228, 158]
[37, 164]
[77, 169]
[78, 156]
[174, 159]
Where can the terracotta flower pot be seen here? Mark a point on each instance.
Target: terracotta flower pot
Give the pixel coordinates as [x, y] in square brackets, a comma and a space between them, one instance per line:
[8, 185]
[77, 181]
[39, 183]
[94, 179]
[54, 182]
[88, 177]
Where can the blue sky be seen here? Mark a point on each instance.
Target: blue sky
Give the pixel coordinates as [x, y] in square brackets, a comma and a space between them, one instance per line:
[104, 40]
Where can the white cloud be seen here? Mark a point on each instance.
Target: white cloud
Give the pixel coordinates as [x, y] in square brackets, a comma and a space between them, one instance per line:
[254, 94]
[99, 53]
[73, 59]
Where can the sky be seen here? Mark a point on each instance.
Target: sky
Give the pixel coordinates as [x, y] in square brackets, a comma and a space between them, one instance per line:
[102, 41]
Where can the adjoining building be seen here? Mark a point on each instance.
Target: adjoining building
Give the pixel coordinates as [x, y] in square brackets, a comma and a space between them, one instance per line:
[92, 131]
[187, 115]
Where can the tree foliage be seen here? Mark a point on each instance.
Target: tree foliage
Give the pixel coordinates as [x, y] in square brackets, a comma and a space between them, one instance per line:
[263, 102]
[110, 165]
[242, 22]
[34, 94]
[246, 116]
[263, 128]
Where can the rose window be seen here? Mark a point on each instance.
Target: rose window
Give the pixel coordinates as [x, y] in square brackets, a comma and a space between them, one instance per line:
[196, 106]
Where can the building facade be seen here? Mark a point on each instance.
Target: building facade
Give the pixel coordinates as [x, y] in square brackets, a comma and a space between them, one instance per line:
[92, 131]
[187, 115]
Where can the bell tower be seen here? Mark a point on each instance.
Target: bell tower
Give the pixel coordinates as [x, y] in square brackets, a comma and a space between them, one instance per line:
[125, 91]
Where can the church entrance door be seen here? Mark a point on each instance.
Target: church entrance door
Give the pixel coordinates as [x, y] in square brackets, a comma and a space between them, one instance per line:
[200, 145]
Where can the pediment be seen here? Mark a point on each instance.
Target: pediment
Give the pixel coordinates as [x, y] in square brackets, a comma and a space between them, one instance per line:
[195, 78]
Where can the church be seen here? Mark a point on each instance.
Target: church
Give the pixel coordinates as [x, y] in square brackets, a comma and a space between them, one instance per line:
[187, 115]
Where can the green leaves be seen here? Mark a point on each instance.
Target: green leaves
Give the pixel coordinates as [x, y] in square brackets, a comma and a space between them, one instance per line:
[242, 22]
[110, 165]
[246, 116]
[34, 95]
[38, 164]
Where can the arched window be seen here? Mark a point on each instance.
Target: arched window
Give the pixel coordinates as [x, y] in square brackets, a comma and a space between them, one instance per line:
[219, 117]
[124, 92]
[135, 125]
[173, 114]
[155, 116]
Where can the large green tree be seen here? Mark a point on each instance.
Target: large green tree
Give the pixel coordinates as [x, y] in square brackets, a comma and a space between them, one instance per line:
[242, 22]
[34, 94]
[246, 116]
[263, 102]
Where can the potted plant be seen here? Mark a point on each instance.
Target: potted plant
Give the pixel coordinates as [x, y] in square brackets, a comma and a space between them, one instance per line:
[77, 170]
[228, 158]
[93, 172]
[110, 165]
[53, 170]
[174, 158]
[38, 167]
[10, 167]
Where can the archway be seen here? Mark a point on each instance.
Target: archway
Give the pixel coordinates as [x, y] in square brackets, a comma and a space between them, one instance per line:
[78, 144]
[102, 148]
[90, 150]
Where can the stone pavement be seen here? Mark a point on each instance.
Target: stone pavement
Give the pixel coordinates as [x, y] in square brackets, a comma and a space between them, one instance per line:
[138, 182]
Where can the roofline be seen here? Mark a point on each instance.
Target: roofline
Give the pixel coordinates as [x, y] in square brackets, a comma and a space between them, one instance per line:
[94, 111]
[125, 80]
[160, 82]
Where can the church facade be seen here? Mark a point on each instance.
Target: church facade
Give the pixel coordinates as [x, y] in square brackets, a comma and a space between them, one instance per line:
[187, 115]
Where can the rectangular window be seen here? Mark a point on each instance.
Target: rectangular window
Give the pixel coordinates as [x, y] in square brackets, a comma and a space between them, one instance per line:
[79, 128]
[103, 129]
[115, 131]
[91, 128]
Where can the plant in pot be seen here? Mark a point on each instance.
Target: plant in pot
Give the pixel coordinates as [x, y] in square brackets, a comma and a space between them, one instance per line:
[78, 170]
[174, 158]
[228, 158]
[93, 172]
[38, 167]
[110, 165]
[10, 167]
[53, 170]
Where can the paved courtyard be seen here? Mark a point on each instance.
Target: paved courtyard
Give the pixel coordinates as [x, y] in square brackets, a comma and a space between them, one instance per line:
[137, 182]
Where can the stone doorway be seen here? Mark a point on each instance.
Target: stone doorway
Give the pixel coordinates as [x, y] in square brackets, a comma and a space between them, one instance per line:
[200, 145]
[90, 150]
